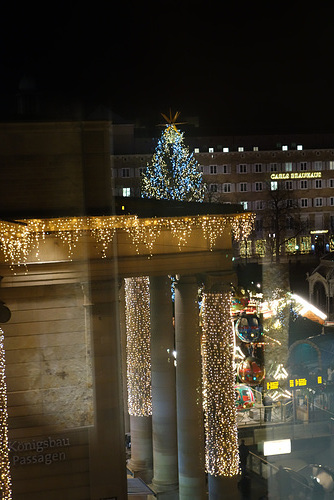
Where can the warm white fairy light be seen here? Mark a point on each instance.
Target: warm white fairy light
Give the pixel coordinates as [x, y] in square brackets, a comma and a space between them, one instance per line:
[18, 241]
[220, 416]
[138, 348]
[5, 477]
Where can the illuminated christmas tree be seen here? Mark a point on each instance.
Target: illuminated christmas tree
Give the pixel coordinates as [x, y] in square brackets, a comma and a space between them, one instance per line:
[173, 172]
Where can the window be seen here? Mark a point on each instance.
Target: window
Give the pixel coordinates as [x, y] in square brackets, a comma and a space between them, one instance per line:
[226, 150]
[284, 148]
[213, 188]
[240, 149]
[211, 150]
[213, 169]
[258, 186]
[331, 183]
[242, 169]
[288, 185]
[331, 165]
[125, 172]
[244, 204]
[318, 202]
[126, 192]
[273, 167]
[225, 169]
[243, 186]
[318, 165]
[273, 186]
[258, 168]
[288, 167]
[318, 183]
[299, 147]
[258, 225]
[304, 202]
[289, 203]
[331, 201]
[303, 166]
[227, 187]
[303, 184]
[196, 150]
[259, 205]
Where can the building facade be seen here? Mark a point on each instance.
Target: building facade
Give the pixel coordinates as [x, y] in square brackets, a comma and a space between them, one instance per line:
[250, 176]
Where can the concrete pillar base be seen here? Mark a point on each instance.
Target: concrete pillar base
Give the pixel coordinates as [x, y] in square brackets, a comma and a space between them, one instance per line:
[221, 488]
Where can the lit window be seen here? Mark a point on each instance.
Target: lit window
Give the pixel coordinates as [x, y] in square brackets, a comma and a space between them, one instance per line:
[226, 150]
[244, 204]
[227, 187]
[240, 149]
[299, 147]
[243, 186]
[258, 186]
[331, 165]
[242, 169]
[211, 150]
[284, 148]
[196, 150]
[255, 148]
[273, 186]
[318, 183]
[213, 169]
[303, 184]
[126, 192]
[318, 202]
[288, 167]
[304, 202]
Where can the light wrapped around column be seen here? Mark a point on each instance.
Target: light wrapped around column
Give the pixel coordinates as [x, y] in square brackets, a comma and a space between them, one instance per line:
[5, 479]
[221, 433]
[138, 348]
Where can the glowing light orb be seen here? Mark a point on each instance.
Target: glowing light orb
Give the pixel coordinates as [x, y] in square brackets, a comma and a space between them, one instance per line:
[250, 371]
[244, 397]
[248, 328]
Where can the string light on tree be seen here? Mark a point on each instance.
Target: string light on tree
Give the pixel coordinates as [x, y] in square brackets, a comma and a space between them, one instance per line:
[173, 172]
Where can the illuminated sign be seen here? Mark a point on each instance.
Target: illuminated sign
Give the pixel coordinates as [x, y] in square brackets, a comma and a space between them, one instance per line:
[277, 447]
[272, 385]
[296, 175]
[302, 382]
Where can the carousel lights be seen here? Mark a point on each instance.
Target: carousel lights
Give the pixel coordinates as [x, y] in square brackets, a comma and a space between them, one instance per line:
[221, 453]
[17, 241]
[138, 345]
[5, 477]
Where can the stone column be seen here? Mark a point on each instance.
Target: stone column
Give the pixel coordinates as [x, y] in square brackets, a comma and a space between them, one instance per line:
[107, 447]
[165, 470]
[140, 463]
[189, 391]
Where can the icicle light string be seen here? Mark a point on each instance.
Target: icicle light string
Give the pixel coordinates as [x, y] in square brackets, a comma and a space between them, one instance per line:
[221, 454]
[18, 240]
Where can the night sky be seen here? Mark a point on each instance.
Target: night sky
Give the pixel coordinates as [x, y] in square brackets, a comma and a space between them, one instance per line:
[239, 69]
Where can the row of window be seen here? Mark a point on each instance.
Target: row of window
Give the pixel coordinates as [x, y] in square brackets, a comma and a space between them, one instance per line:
[258, 168]
[243, 187]
[302, 202]
[244, 168]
